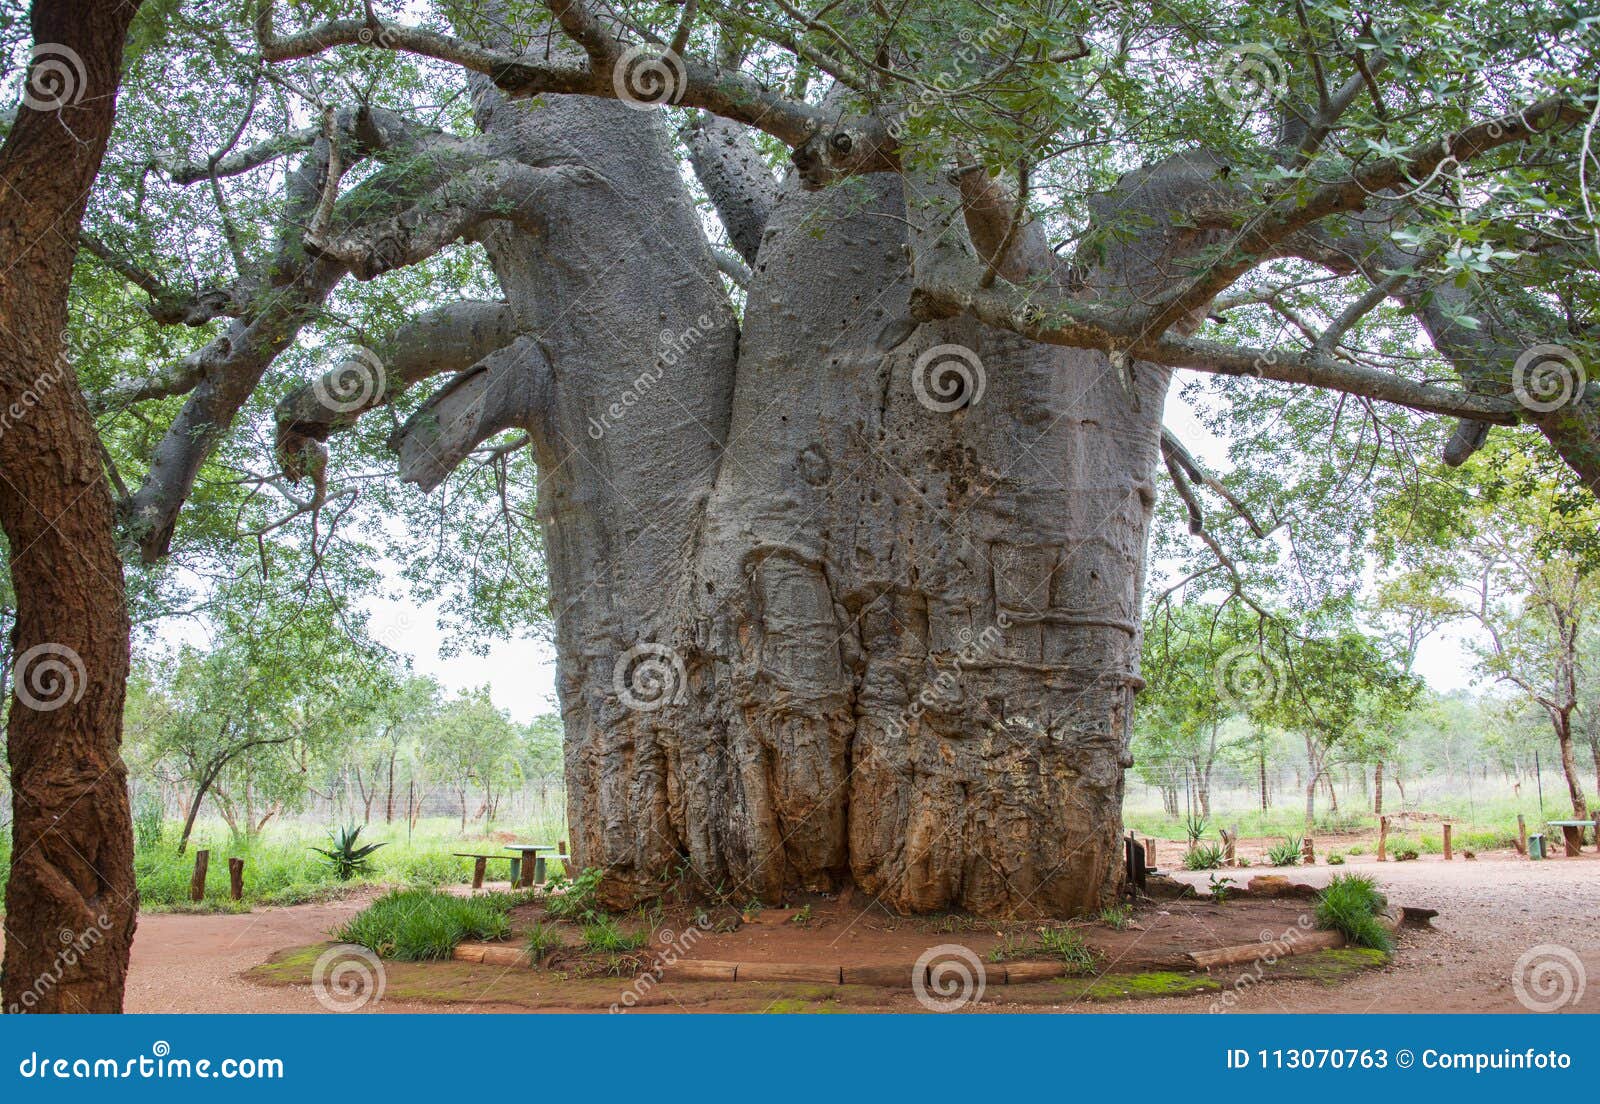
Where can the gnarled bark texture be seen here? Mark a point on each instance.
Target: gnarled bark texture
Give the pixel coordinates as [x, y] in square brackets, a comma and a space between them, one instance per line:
[70, 903]
[840, 597]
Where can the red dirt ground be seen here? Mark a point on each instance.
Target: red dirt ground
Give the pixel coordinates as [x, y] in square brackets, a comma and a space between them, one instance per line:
[1491, 911]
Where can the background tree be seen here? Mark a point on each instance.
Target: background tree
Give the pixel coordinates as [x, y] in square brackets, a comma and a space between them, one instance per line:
[1517, 558]
[241, 719]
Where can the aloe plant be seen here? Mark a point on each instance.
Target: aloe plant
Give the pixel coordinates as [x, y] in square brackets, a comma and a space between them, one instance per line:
[347, 857]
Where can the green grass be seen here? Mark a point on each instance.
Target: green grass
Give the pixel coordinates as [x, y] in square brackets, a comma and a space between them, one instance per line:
[1286, 852]
[281, 869]
[602, 936]
[541, 938]
[1351, 904]
[1068, 946]
[421, 925]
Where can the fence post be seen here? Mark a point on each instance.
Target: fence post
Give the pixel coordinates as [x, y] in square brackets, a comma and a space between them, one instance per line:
[1522, 836]
[1447, 843]
[236, 879]
[197, 884]
[1383, 838]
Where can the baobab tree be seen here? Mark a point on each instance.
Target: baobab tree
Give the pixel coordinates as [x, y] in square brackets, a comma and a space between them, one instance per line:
[845, 492]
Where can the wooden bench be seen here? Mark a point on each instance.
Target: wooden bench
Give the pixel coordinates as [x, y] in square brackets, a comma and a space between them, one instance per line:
[480, 864]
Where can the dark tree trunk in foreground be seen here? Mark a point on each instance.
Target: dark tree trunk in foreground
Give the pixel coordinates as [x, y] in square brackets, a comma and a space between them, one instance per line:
[70, 904]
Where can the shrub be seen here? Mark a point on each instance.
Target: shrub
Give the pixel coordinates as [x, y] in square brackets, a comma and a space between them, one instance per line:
[419, 925]
[1203, 856]
[1194, 826]
[1335, 859]
[1351, 905]
[576, 899]
[1285, 853]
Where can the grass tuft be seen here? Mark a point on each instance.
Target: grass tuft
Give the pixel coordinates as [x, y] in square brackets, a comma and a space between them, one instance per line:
[422, 925]
[1351, 904]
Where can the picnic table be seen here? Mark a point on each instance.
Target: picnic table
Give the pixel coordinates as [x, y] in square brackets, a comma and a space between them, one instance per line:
[527, 868]
[1572, 834]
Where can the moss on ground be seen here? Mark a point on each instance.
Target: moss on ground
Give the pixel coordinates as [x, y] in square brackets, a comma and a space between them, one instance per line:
[453, 982]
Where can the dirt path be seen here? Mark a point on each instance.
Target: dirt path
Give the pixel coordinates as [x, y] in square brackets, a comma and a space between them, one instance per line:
[1491, 912]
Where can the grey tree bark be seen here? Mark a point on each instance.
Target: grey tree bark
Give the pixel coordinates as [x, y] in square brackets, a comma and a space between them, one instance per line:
[840, 596]
[846, 582]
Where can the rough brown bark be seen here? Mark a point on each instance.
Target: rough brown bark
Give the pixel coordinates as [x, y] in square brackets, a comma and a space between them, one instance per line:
[71, 901]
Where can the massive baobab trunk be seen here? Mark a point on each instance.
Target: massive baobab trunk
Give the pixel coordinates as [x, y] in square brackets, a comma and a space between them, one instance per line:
[839, 597]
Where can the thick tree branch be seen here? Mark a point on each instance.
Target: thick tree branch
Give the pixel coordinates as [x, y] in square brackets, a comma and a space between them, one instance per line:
[735, 176]
[1267, 229]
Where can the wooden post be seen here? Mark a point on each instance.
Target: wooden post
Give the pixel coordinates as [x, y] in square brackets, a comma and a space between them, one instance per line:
[197, 884]
[236, 879]
[1308, 852]
[479, 864]
[1383, 839]
[1228, 840]
[1447, 843]
[1150, 852]
[1522, 836]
